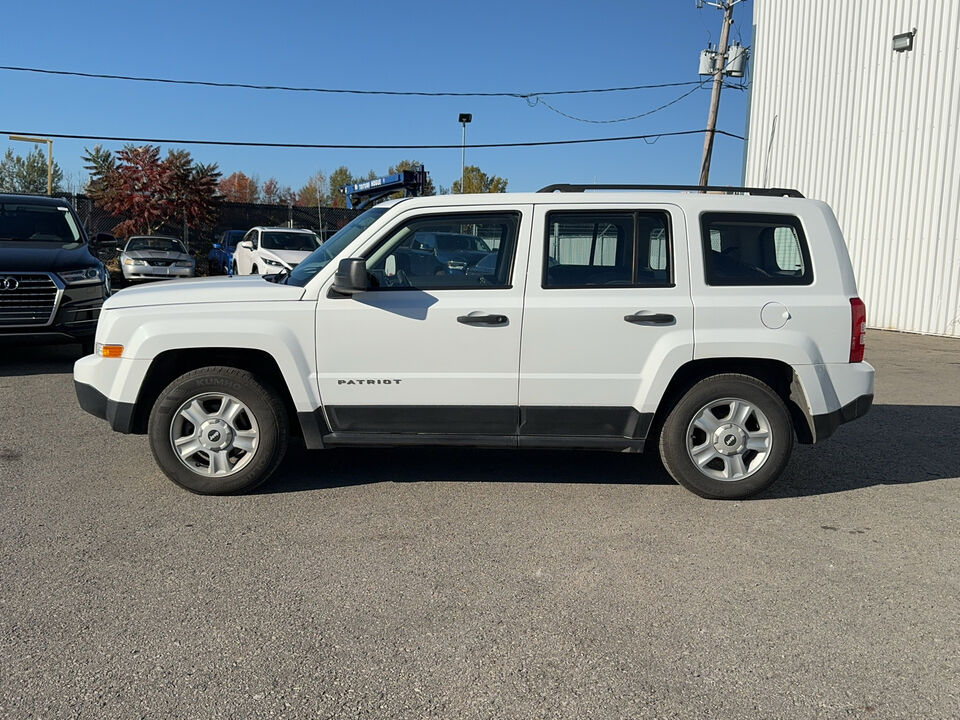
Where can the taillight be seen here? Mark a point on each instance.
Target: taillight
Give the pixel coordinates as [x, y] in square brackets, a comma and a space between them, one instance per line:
[858, 329]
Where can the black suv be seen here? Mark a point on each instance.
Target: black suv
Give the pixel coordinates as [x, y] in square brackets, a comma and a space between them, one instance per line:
[51, 282]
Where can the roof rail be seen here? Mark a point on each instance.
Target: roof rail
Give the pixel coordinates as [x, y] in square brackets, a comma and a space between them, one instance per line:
[771, 192]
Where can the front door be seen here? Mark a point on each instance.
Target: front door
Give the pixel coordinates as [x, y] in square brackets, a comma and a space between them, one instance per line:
[433, 347]
[607, 307]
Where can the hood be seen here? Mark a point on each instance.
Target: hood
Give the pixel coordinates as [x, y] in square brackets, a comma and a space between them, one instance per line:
[156, 254]
[290, 257]
[19, 255]
[247, 288]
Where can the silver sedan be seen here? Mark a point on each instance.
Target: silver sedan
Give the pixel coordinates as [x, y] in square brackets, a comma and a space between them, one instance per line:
[155, 257]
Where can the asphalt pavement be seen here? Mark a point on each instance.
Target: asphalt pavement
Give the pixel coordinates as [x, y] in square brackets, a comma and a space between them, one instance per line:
[456, 583]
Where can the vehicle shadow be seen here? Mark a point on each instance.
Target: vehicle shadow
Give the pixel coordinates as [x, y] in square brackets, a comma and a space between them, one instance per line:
[892, 445]
[38, 359]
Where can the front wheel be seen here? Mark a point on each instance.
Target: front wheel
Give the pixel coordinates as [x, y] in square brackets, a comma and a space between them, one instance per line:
[218, 430]
[729, 437]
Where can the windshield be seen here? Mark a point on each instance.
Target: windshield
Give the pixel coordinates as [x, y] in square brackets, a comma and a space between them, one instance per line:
[279, 240]
[38, 223]
[461, 242]
[321, 257]
[154, 243]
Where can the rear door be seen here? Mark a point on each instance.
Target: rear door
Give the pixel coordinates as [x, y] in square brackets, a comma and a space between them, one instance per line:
[607, 306]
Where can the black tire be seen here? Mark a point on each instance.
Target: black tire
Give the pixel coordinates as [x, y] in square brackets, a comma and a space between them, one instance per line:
[717, 389]
[259, 399]
[235, 269]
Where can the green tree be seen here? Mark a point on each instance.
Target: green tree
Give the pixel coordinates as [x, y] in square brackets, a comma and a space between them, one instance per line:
[28, 174]
[314, 192]
[338, 178]
[476, 180]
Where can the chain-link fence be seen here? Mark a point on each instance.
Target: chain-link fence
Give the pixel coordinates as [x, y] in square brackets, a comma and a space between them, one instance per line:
[230, 216]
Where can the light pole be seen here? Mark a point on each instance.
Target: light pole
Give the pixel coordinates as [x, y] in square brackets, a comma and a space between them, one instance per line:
[464, 119]
[37, 141]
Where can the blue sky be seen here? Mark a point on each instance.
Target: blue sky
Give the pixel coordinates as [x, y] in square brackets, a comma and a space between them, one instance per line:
[519, 46]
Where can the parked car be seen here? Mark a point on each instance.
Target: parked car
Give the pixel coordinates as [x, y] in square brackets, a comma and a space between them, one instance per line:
[457, 251]
[266, 250]
[220, 257]
[52, 284]
[155, 257]
[715, 328]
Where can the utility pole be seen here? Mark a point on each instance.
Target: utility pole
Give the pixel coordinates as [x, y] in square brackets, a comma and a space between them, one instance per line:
[718, 73]
[49, 142]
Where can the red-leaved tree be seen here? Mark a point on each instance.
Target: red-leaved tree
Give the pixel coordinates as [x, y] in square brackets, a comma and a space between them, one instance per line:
[151, 192]
[240, 188]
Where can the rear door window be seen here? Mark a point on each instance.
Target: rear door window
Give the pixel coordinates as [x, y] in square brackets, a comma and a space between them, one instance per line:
[607, 249]
[754, 249]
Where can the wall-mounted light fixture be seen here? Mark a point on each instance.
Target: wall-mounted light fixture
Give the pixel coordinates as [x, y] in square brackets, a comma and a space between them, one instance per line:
[904, 41]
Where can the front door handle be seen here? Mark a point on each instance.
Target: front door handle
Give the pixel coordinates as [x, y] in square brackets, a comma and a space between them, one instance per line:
[647, 318]
[482, 319]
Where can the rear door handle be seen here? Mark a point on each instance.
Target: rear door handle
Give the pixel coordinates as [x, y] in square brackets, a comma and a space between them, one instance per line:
[647, 318]
[482, 319]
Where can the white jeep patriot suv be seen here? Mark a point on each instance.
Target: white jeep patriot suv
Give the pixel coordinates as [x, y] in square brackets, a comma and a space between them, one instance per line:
[715, 326]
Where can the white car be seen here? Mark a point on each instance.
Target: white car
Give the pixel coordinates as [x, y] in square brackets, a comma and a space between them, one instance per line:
[268, 250]
[715, 328]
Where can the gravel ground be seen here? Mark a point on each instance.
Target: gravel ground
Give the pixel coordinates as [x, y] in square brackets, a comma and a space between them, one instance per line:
[456, 583]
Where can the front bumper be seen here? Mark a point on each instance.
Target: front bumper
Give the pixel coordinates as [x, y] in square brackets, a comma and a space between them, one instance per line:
[118, 414]
[148, 272]
[74, 320]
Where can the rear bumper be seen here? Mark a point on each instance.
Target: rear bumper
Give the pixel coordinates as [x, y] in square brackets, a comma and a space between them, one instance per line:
[824, 425]
[118, 414]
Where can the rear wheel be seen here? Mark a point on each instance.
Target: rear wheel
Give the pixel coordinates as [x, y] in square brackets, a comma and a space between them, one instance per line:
[254, 271]
[235, 268]
[218, 430]
[730, 436]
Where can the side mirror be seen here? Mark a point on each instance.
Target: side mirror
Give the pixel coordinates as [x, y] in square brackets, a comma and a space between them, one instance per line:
[246, 245]
[216, 246]
[351, 277]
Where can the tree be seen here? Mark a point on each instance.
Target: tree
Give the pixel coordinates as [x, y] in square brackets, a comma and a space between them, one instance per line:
[428, 187]
[240, 188]
[477, 181]
[314, 192]
[151, 192]
[28, 174]
[275, 194]
[100, 164]
[338, 178]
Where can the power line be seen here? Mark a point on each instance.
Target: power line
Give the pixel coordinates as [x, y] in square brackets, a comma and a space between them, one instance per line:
[342, 91]
[321, 146]
[541, 101]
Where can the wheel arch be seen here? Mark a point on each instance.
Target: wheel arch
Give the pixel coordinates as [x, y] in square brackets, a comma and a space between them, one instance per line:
[171, 364]
[779, 375]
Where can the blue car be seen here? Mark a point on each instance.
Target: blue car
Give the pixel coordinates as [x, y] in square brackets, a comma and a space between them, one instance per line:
[220, 257]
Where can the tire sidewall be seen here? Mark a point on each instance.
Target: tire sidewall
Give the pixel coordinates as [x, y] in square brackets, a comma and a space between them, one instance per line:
[270, 422]
[673, 448]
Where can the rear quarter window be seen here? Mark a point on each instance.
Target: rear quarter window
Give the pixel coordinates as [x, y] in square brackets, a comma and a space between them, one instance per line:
[754, 249]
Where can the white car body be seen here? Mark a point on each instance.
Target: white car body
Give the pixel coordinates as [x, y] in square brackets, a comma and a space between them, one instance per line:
[563, 370]
[252, 257]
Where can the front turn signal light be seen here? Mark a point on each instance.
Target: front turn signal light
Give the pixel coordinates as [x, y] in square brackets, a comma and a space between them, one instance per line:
[109, 351]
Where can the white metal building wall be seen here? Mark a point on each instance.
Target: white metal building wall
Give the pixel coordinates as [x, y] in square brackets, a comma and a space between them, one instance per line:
[837, 114]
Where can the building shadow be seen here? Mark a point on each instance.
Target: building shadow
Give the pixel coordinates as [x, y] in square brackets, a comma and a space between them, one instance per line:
[892, 445]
